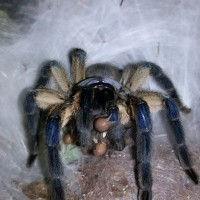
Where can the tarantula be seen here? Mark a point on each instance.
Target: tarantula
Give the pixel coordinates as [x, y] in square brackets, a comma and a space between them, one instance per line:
[96, 106]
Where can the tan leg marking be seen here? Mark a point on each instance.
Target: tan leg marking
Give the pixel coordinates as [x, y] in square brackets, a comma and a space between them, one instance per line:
[125, 118]
[153, 99]
[66, 115]
[134, 76]
[138, 78]
[46, 98]
[78, 67]
[61, 78]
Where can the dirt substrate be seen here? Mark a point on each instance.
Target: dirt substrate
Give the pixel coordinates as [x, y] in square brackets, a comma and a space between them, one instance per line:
[112, 177]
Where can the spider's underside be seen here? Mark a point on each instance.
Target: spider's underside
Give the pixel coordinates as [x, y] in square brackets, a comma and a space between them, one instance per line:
[97, 106]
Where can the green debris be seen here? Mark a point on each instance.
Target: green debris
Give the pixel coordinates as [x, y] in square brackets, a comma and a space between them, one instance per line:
[70, 153]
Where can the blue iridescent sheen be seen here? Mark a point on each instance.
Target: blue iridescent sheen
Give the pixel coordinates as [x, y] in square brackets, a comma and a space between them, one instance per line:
[55, 164]
[143, 117]
[143, 156]
[174, 119]
[172, 110]
[52, 131]
[179, 138]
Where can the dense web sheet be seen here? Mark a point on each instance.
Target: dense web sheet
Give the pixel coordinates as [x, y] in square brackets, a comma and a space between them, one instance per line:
[120, 32]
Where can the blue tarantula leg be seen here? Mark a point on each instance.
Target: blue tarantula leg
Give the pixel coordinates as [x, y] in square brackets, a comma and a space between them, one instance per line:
[166, 84]
[55, 164]
[116, 131]
[134, 75]
[84, 117]
[32, 114]
[78, 60]
[179, 139]
[143, 145]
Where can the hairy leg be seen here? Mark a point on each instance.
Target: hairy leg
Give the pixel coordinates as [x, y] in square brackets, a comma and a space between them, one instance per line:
[55, 164]
[143, 146]
[32, 116]
[78, 60]
[181, 149]
[156, 100]
[165, 82]
[134, 75]
[39, 97]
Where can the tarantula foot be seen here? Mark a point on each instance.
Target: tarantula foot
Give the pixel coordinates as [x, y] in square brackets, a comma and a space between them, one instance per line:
[193, 175]
[185, 109]
[30, 160]
[78, 52]
[144, 195]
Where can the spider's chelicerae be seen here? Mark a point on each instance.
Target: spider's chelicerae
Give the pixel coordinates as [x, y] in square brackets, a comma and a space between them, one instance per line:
[95, 107]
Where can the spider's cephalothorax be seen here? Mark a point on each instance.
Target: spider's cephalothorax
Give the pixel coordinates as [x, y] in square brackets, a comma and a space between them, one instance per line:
[96, 106]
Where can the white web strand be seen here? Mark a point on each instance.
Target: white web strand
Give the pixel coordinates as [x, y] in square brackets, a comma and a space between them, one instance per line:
[165, 32]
